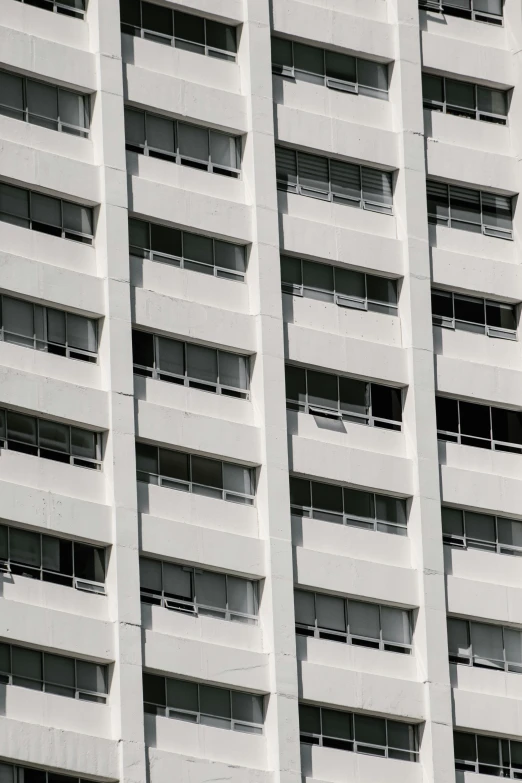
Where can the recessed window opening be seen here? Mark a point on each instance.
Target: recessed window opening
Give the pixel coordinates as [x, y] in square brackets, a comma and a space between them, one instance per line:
[487, 755]
[489, 11]
[476, 530]
[13, 773]
[476, 424]
[464, 99]
[484, 645]
[470, 210]
[474, 314]
[75, 8]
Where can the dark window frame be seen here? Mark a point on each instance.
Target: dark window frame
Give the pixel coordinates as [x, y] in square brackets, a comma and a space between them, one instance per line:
[504, 768]
[60, 7]
[26, 115]
[357, 87]
[205, 718]
[466, 657]
[347, 637]
[182, 261]
[454, 9]
[82, 694]
[193, 607]
[21, 774]
[353, 744]
[182, 43]
[202, 384]
[466, 439]
[465, 540]
[292, 183]
[445, 107]
[374, 524]
[453, 323]
[188, 485]
[444, 195]
[333, 295]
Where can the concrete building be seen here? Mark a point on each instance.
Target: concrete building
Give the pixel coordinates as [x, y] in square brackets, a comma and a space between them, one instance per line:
[300, 564]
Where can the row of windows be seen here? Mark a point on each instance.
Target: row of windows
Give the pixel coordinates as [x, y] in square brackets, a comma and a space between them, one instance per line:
[484, 645]
[13, 773]
[487, 755]
[470, 210]
[464, 99]
[489, 11]
[475, 530]
[474, 314]
[75, 8]
[476, 424]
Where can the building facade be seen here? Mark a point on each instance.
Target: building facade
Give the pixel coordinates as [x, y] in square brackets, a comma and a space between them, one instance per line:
[303, 562]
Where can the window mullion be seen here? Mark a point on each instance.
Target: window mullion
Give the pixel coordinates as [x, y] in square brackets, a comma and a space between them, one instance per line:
[458, 420]
[481, 214]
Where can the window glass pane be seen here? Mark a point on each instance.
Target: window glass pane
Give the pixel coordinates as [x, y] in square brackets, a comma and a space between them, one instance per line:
[309, 58]
[286, 166]
[475, 419]
[202, 363]
[77, 218]
[142, 348]
[318, 276]
[513, 645]
[5, 657]
[221, 36]
[345, 179]
[174, 464]
[295, 379]
[460, 94]
[388, 509]
[291, 270]
[497, 211]
[358, 503]
[223, 150]
[189, 27]
[340, 66]
[395, 624]
[330, 612]
[157, 18]
[52, 435]
[4, 549]
[154, 689]
[83, 443]
[458, 636]
[363, 619]
[313, 171]
[91, 677]
[377, 186]
[337, 724]
[7, 773]
[371, 74]
[354, 396]
[300, 492]
[447, 414]
[45, 209]
[309, 719]
[57, 555]
[465, 205]
[56, 326]
[81, 332]
[193, 142]
[442, 304]
[438, 199]
[211, 589]
[150, 574]
[241, 595]
[14, 201]
[160, 133]
[488, 750]
[17, 317]
[59, 670]
[468, 308]
[134, 127]
[304, 604]
[89, 562]
[214, 701]
[480, 526]
[198, 248]
[233, 370]
[487, 642]
[238, 479]
[230, 256]
[328, 497]
[165, 240]
[400, 735]
[21, 428]
[247, 707]
[501, 315]
[130, 12]
[27, 663]
[11, 91]
[493, 101]
[465, 746]
[381, 289]
[350, 283]
[177, 581]
[146, 458]
[24, 547]
[182, 694]
[207, 472]
[171, 356]
[489, 6]
[139, 233]
[432, 88]
[509, 532]
[42, 99]
[73, 108]
[323, 389]
[371, 730]
[282, 52]
[507, 425]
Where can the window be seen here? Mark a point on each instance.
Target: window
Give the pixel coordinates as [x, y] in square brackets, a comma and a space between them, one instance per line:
[474, 314]
[44, 104]
[330, 69]
[475, 530]
[204, 704]
[74, 8]
[346, 287]
[11, 773]
[347, 506]
[191, 473]
[489, 11]
[189, 251]
[47, 329]
[49, 439]
[484, 645]
[178, 142]
[42, 671]
[464, 99]
[474, 424]
[352, 622]
[29, 209]
[487, 755]
[198, 592]
[176, 28]
[191, 365]
[470, 210]
[334, 180]
[52, 559]
[357, 732]
[341, 397]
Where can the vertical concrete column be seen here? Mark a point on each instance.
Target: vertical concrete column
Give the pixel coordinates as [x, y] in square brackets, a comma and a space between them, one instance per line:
[425, 530]
[112, 255]
[268, 387]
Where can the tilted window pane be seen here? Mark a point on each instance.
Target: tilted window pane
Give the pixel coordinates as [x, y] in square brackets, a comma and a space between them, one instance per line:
[142, 348]
[363, 619]
[330, 612]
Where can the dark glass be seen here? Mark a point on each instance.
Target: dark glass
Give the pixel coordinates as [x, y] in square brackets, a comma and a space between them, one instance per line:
[460, 94]
[327, 497]
[432, 88]
[386, 402]
[370, 730]
[309, 719]
[506, 425]
[189, 27]
[89, 562]
[291, 270]
[174, 464]
[154, 689]
[295, 379]
[452, 521]
[282, 52]
[221, 36]
[207, 472]
[323, 389]
[214, 701]
[475, 419]
[358, 503]
[165, 240]
[300, 494]
[341, 66]
[182, 694]
[130, 12]
[447, 414]
[147, 458]
[381, 289]
[337, 724]
[442, 304]
[318, 276]
[354, 396]
[469, 309]
[157, 18]
[501, 315]
[309, 59]
[142, 348]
